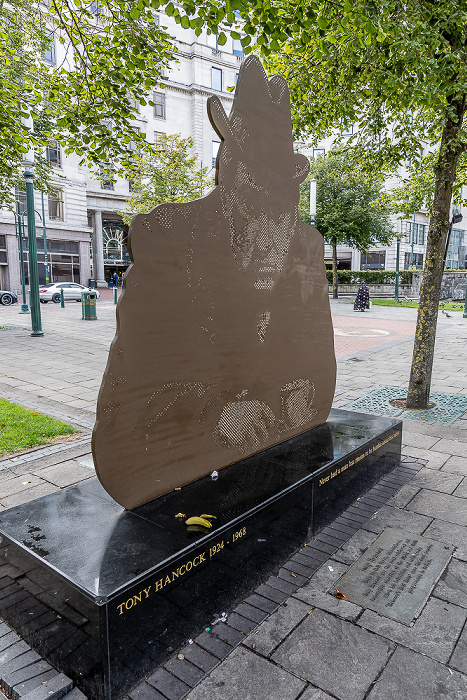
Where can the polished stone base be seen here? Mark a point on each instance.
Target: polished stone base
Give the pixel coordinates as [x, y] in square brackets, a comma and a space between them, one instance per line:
[106, 595]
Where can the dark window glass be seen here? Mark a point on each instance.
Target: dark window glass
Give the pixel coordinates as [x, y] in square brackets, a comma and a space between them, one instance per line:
[216, 79]
[107, 182]
[417, 261]
[2, 243]
[56, 208]
[53, 154]
[159, 105]
[373, 261]
[3, 259]
[61, 272]
[20, 197]
[49, 53]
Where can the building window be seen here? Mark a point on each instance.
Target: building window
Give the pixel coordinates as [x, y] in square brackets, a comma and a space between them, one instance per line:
[318, 152]
[456, 253]
[415, 233]
[3, 258]
[215, 149]
[417, 261]
[56, 208]
[216, 79]
[53, 154]
[373, 261]
[211, 40]
[237, 48]
[49, 53]
[159, 105]
[157, 137]
[20, 196]
[107, 182]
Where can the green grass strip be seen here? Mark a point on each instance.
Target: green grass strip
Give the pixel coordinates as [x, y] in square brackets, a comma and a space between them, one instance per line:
[21, 428]
[413, 304]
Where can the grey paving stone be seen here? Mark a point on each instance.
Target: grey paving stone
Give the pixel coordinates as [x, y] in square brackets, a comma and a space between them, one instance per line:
[258, 601]
[449, 534]
[459, 658]
[12, 652]
[455, 465]
[461, 490]
[249, 677]
[404, 496]
[16, 499]
[452, 447]
[355, 547]
[411, 676]
[16, 484]
[440, 505]
[453, 584]
[390, 516]
[436, 480]
[30, 657]
[213, 645]
[418, 440]
[26, 687]
[185, 671]
[12, 678]
[273, 630]
[315, 592]
[75, 694]
[143, 691]
[228, 634]
[334, 655]
[52, 689]
[65, 473]
[314, 694]
[200, 657]
[434, 633]
[169, 686]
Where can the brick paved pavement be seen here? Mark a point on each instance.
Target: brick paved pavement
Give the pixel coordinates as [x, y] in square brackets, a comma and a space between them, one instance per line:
[328, 652]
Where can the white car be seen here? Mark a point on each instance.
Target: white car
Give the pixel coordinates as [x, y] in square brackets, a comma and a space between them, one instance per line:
[71, 291]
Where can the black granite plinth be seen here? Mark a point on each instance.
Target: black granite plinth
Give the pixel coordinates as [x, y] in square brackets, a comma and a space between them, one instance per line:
[106, 594]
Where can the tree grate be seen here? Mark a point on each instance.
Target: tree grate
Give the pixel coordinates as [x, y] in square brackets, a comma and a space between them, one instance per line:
[448, 408]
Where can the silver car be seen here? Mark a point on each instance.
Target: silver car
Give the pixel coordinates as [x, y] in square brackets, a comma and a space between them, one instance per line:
[71, 291]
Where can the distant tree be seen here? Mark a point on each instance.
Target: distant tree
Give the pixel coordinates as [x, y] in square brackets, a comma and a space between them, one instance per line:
[349, 210]
[169, 174]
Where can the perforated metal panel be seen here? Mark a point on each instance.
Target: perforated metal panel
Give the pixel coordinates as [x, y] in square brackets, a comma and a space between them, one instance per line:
[224, 341]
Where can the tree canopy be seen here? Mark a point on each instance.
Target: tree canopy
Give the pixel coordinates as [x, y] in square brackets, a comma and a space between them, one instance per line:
[349, 208]
[169, 174]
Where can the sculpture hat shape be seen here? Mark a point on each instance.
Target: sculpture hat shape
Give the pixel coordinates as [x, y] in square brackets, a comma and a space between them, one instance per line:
[224, 342]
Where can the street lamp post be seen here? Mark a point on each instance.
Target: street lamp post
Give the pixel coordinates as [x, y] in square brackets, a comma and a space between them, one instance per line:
[398, 252]
[19, 224]
[44, 236]
[33, 268]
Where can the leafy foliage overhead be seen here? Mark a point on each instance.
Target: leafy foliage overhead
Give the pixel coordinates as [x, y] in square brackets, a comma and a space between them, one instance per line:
[348, 204]
[169, 174]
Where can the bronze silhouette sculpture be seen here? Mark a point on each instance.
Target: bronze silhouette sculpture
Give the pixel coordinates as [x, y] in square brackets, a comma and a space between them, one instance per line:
[224, 342]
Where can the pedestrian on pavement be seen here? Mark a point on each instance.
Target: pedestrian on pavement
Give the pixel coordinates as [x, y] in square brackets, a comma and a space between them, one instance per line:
[116, 278]
[111, 281]
[362, 301]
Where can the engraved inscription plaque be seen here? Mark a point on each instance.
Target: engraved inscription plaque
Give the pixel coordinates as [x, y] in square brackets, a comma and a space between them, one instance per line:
[395, 576]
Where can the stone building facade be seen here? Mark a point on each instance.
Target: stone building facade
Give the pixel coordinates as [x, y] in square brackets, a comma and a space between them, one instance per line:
[85, 235]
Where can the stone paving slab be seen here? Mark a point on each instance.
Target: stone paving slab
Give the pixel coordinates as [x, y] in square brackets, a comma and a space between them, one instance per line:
[248, 676]
[448, 508]
[434, 633]
[334, 655]
[411, 676]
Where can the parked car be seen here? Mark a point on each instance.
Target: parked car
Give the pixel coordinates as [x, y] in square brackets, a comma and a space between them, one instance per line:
[71, 291]
[8, 298]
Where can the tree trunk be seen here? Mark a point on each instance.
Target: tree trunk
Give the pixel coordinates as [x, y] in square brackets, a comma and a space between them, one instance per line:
[335, 282]
[425, 333]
